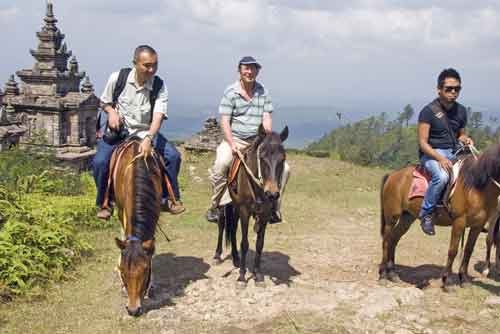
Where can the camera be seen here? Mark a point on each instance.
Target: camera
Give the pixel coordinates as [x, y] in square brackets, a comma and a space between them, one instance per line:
[115, 136]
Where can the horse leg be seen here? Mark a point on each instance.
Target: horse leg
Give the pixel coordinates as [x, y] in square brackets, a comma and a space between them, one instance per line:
[456, 233]
[259, 277]
[469, 248]
[405, 221]
[232, 226]
[489, 243]
[244, 217]
[221, 222]
[387, 232]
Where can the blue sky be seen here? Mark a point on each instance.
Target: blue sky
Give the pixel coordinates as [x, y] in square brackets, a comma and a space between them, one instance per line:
[314, 53]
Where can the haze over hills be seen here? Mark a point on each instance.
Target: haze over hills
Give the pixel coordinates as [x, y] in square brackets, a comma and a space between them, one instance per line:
[306, 124]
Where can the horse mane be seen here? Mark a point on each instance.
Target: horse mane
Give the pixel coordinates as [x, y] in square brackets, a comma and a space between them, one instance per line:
[146, 206]
[477, 173]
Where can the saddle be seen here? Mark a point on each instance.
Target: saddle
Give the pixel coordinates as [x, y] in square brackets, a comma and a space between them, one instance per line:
[421, 179]
[116, 159]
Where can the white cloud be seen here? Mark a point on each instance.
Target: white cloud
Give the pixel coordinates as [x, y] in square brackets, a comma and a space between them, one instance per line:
[310, 49]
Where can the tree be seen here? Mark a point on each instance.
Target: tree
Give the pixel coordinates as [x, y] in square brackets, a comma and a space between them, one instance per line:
[476, 119]
[408, 112]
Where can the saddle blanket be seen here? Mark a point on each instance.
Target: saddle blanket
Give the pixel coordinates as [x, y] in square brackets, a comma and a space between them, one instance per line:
[421, 180]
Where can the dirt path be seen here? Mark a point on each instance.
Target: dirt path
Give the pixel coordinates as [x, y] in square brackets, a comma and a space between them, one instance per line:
[320, 271]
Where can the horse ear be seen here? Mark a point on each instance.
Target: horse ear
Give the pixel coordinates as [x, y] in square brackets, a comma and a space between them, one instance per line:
[148, 245]
[284, 134]
[120, 243]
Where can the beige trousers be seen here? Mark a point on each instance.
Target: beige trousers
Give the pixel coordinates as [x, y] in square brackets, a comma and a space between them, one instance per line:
[220, 169]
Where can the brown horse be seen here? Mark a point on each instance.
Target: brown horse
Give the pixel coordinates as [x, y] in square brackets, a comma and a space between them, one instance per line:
[253, 196]
[473, 203]
[137, 188]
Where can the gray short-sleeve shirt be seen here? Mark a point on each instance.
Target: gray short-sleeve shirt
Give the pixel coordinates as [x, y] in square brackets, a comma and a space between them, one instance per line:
[246, 116]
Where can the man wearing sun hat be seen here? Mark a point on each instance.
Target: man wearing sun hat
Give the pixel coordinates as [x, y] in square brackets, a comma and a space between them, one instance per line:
[245, 105]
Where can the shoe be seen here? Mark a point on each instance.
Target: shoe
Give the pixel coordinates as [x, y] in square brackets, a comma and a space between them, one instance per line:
[427, 225]
[275, 217]
[175, 208]
[104, 214]
[213, 215]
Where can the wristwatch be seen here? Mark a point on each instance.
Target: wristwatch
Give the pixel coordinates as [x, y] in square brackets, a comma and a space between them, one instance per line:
[149, 136]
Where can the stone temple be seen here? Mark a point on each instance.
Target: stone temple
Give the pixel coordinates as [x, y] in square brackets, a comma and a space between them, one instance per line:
[51, 102]
[207, 139]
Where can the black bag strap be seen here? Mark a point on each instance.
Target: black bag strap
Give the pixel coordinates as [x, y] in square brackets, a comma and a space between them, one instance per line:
[119, 87]
[120, 84]
[157, 85]
[437, 108]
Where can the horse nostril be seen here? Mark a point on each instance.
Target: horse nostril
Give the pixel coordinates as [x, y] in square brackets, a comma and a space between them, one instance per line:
[272, 196]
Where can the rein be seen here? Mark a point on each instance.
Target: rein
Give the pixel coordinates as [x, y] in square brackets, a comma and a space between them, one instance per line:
[259, 181]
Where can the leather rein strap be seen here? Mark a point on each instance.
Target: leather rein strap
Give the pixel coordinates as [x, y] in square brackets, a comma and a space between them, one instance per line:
[259, 181]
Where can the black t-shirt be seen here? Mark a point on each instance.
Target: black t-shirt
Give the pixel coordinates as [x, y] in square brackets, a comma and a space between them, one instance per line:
[439, 135]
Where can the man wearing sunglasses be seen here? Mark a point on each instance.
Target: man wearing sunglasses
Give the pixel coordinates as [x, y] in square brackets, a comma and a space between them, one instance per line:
[441, 129]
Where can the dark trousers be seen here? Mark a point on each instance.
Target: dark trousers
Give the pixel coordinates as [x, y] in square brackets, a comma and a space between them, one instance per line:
[100, 166]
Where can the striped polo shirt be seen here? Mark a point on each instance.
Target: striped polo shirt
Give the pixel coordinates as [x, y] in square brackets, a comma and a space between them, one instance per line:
[245, 116]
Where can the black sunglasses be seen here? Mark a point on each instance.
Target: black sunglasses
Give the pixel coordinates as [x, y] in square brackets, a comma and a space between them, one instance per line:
[449, 89]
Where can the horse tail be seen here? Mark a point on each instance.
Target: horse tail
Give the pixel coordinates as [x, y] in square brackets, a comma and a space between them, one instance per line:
[382, 216]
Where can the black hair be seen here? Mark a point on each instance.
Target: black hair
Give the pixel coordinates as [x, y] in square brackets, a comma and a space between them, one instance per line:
[448, 73]
[143, 48]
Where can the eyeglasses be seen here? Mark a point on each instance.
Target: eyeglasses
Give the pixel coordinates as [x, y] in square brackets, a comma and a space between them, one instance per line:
[449, 89]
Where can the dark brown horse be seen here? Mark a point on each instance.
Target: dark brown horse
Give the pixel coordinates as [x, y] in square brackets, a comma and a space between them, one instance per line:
[137, 188]
[474, 202]
[253, 196]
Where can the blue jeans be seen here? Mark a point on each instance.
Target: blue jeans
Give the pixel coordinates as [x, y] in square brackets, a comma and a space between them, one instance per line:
[439, 180]
[100, 166]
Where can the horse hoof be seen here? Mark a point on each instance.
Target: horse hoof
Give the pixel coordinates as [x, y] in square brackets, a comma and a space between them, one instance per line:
[466, 284]
[241, 284]
[217, 260]
[384, 282]
[449, 288]
[393, 277]
[260, 284]
[465, 281]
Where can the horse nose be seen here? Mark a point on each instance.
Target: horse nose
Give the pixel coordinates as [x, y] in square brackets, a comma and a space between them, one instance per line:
[272, 195]
[134, 313]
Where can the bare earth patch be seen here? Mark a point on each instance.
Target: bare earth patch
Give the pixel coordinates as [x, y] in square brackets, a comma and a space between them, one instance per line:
[320, 266]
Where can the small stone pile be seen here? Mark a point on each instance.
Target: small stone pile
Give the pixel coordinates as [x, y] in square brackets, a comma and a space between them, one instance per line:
[206, 140]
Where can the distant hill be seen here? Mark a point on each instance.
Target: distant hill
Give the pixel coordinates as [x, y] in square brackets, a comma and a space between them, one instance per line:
[380, 141]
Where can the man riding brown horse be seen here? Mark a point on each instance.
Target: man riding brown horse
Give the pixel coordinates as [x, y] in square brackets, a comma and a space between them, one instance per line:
[441, 127]
[245, 105]
[135, 103]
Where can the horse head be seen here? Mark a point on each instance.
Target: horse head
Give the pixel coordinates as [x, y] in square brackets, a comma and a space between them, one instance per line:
[271, 155]
[135, 271]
